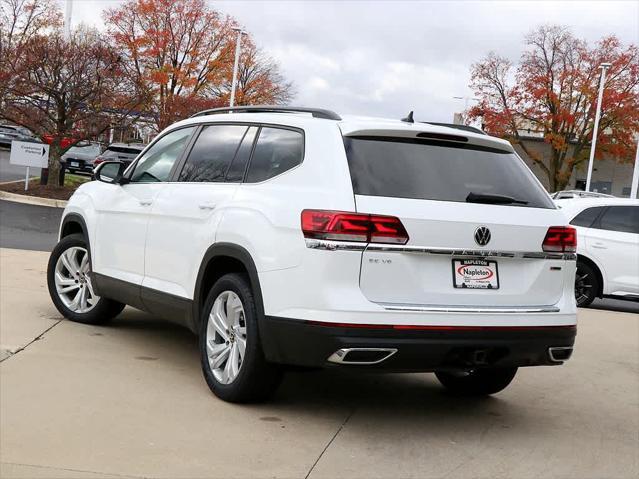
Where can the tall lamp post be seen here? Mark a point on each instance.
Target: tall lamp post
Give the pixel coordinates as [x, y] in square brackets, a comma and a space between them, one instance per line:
[602, 80]
[238, 43]
[67, 19]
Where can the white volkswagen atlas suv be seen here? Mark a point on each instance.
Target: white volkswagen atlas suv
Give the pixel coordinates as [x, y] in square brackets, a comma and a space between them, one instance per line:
[292, 236]
[608, 252]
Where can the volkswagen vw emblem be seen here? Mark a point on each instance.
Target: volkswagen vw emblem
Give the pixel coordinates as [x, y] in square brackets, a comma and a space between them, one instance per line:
[482, 236]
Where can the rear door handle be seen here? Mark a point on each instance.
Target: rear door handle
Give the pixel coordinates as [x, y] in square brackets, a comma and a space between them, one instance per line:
[146, 202]
[207, 206]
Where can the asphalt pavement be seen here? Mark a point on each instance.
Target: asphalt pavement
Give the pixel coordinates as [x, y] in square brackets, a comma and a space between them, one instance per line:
[128, 400]
[29, 227]
[9, 172]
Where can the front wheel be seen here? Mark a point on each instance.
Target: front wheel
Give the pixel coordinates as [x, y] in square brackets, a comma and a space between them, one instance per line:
[477, 382]
[232, 360]
[70, 284]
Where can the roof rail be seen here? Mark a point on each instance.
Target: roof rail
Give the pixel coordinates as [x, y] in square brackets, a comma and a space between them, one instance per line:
[316, 112]
[471, 129]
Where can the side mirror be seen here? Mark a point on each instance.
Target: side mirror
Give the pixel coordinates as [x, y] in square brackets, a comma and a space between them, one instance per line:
[109, 172]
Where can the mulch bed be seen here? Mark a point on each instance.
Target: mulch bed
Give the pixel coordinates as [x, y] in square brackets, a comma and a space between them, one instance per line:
[36, 189]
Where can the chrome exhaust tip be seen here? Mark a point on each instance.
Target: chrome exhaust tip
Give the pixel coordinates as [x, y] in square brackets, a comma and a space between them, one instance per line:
[361, 356]
[559, 354]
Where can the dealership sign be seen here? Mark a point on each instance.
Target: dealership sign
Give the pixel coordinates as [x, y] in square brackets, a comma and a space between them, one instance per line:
[24, 153]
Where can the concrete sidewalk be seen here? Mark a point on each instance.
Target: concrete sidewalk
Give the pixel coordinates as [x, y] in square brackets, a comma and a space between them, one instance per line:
[128, 400]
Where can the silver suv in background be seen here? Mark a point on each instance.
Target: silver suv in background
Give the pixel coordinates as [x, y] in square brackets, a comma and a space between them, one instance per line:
[124, 152]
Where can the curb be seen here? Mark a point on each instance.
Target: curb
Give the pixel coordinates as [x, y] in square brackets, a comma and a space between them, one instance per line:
[32, 200]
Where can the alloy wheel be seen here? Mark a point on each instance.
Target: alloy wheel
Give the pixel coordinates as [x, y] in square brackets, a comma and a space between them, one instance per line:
[73, 281]
[583, 286]
[226, 337]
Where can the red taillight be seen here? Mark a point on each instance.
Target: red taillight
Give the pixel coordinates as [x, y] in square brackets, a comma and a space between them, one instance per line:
[560, 239]
[342, 226]
[97, 161]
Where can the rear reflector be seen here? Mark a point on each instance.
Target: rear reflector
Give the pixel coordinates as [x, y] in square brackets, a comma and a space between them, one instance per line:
[343, 226]
[560, 239]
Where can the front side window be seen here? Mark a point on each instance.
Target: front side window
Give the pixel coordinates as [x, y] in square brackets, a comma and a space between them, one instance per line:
[435, 170]
[212, 153]
[624, 219]
[277, 150]
[158, 160]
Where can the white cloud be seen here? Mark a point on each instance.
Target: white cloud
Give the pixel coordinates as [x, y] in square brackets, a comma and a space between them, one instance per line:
[388, 57]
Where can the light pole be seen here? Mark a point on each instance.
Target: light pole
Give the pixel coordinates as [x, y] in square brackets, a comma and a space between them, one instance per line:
[602, 80]
[67, 19]
[238, 43]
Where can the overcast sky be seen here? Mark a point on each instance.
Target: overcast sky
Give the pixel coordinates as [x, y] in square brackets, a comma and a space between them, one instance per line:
[385, 58]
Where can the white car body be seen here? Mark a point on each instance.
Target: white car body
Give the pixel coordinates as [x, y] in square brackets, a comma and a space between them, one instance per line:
[155, 238]
[615, 253]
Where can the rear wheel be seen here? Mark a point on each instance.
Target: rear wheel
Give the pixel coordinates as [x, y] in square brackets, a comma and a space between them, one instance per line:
[477, 382]
[231, 352]
[586, 284]
[70, 284]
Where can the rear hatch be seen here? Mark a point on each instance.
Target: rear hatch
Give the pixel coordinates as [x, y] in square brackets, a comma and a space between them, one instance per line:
[458, 201]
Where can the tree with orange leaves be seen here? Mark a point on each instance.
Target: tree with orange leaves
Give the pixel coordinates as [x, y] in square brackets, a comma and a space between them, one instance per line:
[554, 90]
[181, 51]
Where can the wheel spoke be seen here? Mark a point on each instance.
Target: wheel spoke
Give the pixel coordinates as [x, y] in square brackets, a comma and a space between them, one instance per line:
[74, 305]
[84, 264]
[222, 355]
[241, 346]
[68, 289]
[218, 320]
[233, 309]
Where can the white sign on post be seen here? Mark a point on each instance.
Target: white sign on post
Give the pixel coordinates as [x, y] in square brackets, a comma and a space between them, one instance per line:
[25, 153]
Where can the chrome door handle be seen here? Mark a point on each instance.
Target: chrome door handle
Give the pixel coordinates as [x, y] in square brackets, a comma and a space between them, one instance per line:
[145, 202]
[207, 206]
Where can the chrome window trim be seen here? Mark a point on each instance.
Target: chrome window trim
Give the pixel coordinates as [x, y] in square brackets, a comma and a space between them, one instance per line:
[456, 252]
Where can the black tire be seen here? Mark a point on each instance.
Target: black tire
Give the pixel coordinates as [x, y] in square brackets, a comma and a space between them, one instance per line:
[586, 284]
[102, 311]
[478, 382]
[257, 379]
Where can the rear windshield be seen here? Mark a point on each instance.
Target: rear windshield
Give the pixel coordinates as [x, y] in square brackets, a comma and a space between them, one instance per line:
[435, 170]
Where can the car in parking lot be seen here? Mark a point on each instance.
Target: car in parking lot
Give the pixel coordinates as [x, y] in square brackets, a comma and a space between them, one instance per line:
[293, 236]
[608, 247]
[570, 194]
[124, 152]
[9, 133]
[80, 157]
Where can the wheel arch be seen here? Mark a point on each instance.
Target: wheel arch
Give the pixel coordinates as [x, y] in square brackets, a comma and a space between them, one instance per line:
[595, 267]
[73, 223]
[220, 259]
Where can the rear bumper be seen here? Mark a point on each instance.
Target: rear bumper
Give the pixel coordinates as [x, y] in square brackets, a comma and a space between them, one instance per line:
[419, 348]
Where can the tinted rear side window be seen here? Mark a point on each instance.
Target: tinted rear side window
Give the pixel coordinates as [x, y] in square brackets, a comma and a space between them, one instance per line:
[212, 153]
[432, 170]
[277, 150]
[587, 217]
[624, 219]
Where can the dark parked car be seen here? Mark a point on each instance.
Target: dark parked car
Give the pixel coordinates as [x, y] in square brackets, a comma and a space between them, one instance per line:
[80, 158]
[125, 152]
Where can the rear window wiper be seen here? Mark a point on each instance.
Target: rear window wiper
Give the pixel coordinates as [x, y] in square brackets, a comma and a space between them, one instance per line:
[493, 199]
